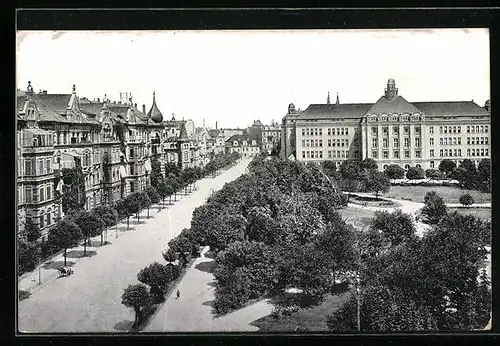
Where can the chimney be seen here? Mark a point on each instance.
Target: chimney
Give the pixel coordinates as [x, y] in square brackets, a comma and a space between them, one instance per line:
[144, 108]
[45, 92]
[98, 99]
[216, 125]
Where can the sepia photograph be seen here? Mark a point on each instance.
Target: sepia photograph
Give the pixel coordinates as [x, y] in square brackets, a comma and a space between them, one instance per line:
[256, 181]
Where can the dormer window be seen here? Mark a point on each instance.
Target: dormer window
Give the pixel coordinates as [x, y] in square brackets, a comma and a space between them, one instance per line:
[244, 142]
[254, 142]
[235, 143]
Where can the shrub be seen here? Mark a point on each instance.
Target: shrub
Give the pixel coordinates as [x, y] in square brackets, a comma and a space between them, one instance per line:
[466, 199]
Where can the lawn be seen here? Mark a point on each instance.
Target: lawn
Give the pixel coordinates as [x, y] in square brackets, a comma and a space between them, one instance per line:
[312, 319]
[450, 194]
[481, 213]
[363, 215]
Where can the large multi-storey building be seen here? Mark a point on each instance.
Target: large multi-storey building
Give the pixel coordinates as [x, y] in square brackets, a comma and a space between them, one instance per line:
[246, 145]
[113, 142]
[271, 136]
[390, 131]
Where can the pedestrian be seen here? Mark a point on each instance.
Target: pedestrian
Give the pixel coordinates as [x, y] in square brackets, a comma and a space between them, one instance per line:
[178, 294]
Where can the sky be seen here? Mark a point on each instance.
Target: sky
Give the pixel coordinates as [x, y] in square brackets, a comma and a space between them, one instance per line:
[236, 77]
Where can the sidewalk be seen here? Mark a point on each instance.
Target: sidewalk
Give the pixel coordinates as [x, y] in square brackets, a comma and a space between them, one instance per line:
[193, 311]
[49, 270]
[475, 205]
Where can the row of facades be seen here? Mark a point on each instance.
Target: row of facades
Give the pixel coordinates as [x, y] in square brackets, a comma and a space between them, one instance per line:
[114, 142]
[390, 131]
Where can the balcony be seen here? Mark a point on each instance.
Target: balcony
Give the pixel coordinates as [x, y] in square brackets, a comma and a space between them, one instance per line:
[134, 139]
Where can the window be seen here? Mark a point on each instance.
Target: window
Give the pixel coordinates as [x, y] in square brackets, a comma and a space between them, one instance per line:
[459, 141]
[432, 164]
[338, 132]
[417, 130]
[431, 141]
[329, 154]
[477, 128]
[321, 143]
[321, 154]
[321, 132]
[482, 152]
[468, 152]
[440, 141]
[329, 132]
[307, 132]
[338, 142]
[396, 142]
[385, 142]
[468, 129]
[385, 154]
[431, 130]
[385, 130]
[445, 141]
[407, 166]
[473, 152]
[48, 192]
[485, 140]
[395, 130]
[454, 129]
[454, 152]
[417, 142]
[374, 131]
[374, 142]
[482, 140]
[406, 130]
[27, 167]
[303, 143]
[303, 154]
[468, 140]
[342, 131]
[459, 152]
[486, 152]
[42, 218]
[41, 194]
[459, 129]
[28, 194]
[440, 129]
[431, 153]
[396, 154]
[446, 129]
[374, 154]
[407, 142]
[441, 152]
[346, 131]
[48, 219]
[486, 129]
[407, 153]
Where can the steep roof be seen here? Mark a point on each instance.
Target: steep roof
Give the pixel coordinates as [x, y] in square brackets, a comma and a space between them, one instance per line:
[183, 136]
[451, 108]
[398, 104]
[58, 102]
[241, 138]
[333, 111]
[154, 113]
[213, 133]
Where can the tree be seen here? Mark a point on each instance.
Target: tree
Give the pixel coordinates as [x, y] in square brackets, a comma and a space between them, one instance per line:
[433, 173]
[133, 205]
[73, 197]
[369, 164]
[144, 201]
[434, 208]
[447, 166]
[107, 214]
[396, 226]
[483, 306]
[90, 226]
[415, 173]
[377, 182]
[395, 172]
[469, 177]
[156, 277]
[136, 297]
[162, 189]
[155, 172]
[484, 172]
[31, 231]
[170, 255]
[28, 255]
[64, 235]
[466, 199]
[351, 173]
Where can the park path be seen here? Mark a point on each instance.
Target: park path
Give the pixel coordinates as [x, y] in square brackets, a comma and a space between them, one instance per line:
[193, 311]
[90, 299]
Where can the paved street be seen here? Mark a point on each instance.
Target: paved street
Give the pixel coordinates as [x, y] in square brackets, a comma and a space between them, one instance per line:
[193, 311]
[90, 300]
